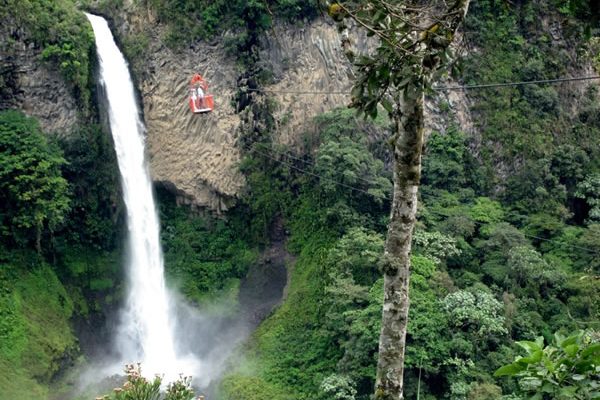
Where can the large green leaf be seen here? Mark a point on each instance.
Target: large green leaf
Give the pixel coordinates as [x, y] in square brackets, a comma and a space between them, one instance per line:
[571, 340]
[530, 347]
[509, 370]
[571, 349]
[593, 349]
[533, 358]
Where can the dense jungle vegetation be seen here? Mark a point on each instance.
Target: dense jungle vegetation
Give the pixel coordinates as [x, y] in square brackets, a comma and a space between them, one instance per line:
[507, 243]
[507, 247]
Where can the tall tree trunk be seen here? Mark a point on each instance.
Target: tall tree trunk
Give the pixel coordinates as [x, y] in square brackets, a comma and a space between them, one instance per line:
[413, 43]
[407, 147]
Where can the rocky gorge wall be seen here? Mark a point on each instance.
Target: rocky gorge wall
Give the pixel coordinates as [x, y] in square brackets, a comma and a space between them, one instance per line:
[197, 156]
[33, 86]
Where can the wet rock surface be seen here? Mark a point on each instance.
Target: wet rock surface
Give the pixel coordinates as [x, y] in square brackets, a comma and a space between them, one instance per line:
[33, 86]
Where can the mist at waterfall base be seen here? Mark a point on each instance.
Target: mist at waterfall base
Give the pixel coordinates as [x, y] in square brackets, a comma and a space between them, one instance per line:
[156, 328]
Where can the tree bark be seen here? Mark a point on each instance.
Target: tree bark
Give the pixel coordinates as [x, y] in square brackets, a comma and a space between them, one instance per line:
[412, 51]
[407, 148]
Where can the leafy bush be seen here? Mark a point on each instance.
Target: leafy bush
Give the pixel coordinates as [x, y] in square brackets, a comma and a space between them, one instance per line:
[444, 160]
[589, 191]
[191, 20]
[33, 194]
[568, 368]
[346, 162]
[477, 311]
[138, 387]
[338, 387]
[96, 203]
[62, 33]
[203, 255]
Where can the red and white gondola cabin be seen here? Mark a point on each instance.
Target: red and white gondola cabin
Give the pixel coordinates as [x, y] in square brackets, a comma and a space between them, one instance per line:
[200, 101]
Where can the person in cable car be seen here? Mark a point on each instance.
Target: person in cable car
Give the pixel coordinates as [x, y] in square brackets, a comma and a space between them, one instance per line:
[200, 100]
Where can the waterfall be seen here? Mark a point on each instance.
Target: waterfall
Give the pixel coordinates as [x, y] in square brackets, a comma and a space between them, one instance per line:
[146, 332]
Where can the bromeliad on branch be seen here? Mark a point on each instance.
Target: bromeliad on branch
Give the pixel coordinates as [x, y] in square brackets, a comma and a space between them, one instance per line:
[414, 38]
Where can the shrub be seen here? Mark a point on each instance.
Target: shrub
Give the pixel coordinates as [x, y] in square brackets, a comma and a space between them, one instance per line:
[568, 368]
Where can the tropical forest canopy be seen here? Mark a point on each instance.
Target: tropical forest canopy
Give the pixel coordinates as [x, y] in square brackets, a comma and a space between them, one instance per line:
[506, 247]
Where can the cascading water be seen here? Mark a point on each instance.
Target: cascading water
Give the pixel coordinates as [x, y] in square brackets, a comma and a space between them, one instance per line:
[147, 332]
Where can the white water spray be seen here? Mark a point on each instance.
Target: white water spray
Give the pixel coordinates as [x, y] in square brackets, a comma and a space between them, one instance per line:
[146, 333]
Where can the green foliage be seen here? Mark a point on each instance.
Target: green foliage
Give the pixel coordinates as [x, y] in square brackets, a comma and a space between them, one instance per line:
[533, 131]
[578, 8]
[242, 387]
[14, 379]
[435, 245]
[475, 310]
[62, 33]
[484, 391]
[47, 308]
[357, 254]
[444, 160]
[495, 247]
[487, 211]
[35, 333]
[33, 193]
[344, 123]
[353, 186]
[536, 189]
[92, 277]
[527, 265]
[138, 387]
[338, 387]
[203, 255]
[568, 368]
[347, 163]
[93, 177]
[190, 20]
[589, 259]
[12, 324]
[268, 196]
[589, 191]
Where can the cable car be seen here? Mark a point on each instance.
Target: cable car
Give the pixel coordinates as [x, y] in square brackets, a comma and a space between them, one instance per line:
[200, 101]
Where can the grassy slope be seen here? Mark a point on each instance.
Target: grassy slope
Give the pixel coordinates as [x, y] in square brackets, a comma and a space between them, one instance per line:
[35, 334]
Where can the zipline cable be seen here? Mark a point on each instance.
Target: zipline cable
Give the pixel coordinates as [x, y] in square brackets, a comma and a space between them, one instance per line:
[591, 251]
[442, 88]
[521, 83]
[307, 163]
[312, 173]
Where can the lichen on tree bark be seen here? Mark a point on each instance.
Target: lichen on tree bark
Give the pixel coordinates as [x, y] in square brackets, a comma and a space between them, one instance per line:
[407, 150]
[414, 38]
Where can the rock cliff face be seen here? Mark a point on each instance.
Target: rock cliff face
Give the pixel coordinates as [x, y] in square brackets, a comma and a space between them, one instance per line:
[311, 74]
[33, 86]
[197, 156]
[194, 156]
